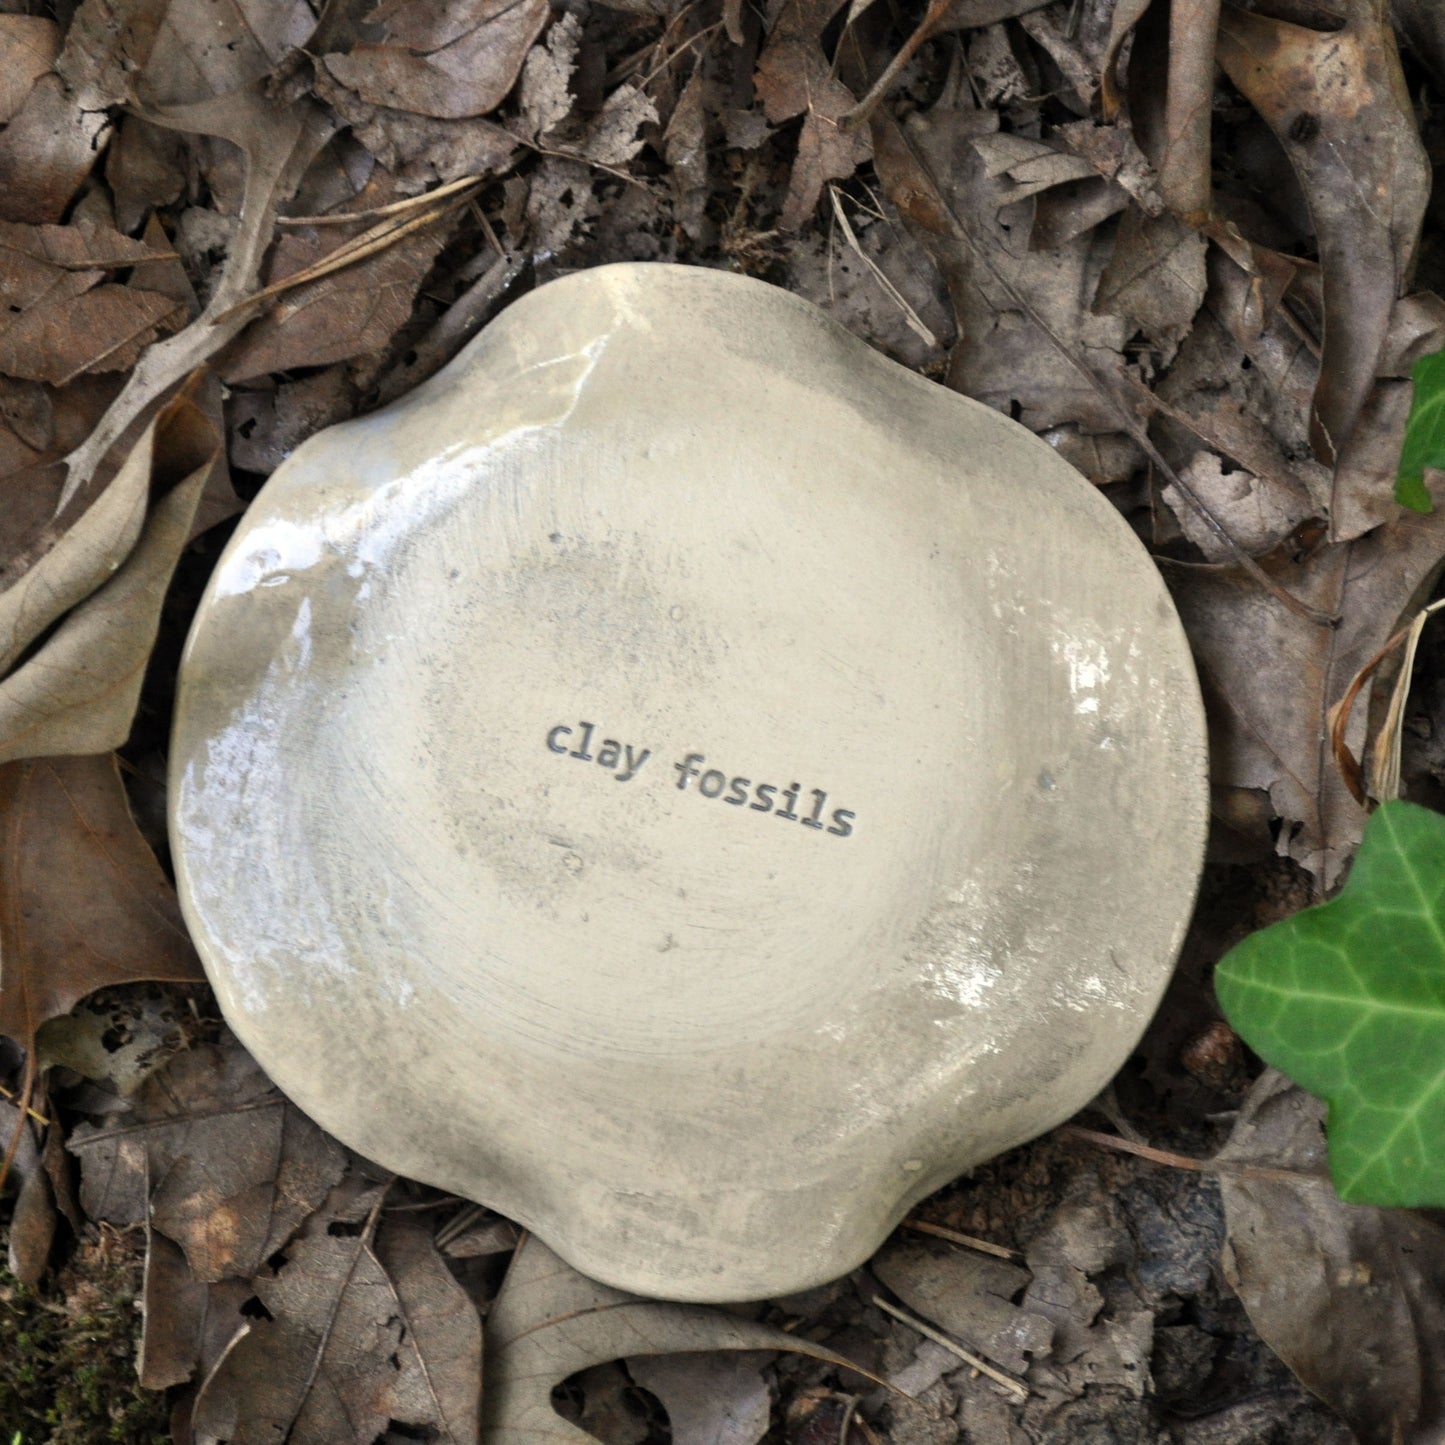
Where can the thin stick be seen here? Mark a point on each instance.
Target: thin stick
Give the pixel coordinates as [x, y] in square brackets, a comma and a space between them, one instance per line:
[1187, 1161]
[968, 1241]
[1017, 1387]
[375, 213]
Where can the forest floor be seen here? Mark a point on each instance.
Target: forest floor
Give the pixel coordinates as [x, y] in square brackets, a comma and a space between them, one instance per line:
[1191, 245]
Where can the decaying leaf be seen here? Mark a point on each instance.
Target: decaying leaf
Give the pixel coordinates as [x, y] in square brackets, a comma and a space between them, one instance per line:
[710, 1399]
[78, 693]
[1155, 278]
[1270, 677]
[549, 1322]
[1322, 92]
[933, 173]
[451, 62]
[969, 1295]
[795, 77]
[1351, 1297]
[351, 312]
[359, 1334]
[214, 1158]
[83, 902]
[28, 47]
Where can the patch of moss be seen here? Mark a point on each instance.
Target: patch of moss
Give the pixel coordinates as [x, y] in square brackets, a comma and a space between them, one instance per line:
[68, 1351]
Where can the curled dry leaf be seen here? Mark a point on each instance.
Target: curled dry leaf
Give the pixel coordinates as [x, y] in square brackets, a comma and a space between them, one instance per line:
[83, 902]
[1351, 1297]
[548, 1322]
[78, 693]
[1323, 93]
[359, 1335]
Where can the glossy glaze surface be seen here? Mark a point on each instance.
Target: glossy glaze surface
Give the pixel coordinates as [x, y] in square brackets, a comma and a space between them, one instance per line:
[687, 782]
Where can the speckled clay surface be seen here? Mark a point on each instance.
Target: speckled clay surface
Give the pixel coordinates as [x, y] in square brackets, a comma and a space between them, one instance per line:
[687, 782]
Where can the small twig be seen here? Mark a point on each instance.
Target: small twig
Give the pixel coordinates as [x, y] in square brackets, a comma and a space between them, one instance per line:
[379, 238]
[12, 1095]
[968, 1241]
[1187, 1161]
[1016, 1387]
[911, 318]
[410, 203]
[27, 1092]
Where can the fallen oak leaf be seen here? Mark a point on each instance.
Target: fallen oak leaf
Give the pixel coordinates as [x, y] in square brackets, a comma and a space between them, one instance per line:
[103, 329]
[79, 691]
[548, 1322]
[450, 62]
[279, 142]
[795, 78]
[83, 902]
[1270, 676]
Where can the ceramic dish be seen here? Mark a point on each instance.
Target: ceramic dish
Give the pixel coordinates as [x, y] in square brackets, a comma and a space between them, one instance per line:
[686, 781]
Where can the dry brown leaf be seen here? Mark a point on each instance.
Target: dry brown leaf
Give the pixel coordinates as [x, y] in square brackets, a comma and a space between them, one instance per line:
[214, 1158]
[548, 1322]
[28, 47]
[969, 1295]
[710, 1399]
[1155, 278]
[105, 329]
[1352, 1298]
[1270, 677]
[932, 172]
[352, 312]
[279, 142]
[78, 693]
[1336, 101]
[206, 48]
[358, 1336]
[447, 61]
[83, 902]
[47, 151]
[794, 77]
[55, 138]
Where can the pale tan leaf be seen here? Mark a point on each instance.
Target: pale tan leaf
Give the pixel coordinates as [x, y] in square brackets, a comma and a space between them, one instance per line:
[78, 693]
[548, 1322]
[83, 558]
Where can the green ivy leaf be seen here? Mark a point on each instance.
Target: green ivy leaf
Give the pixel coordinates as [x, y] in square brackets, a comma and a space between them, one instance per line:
[1348, 999]
[1424, 444]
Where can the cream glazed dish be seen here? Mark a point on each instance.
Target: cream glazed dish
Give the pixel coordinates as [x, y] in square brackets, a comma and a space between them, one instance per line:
[687, 782]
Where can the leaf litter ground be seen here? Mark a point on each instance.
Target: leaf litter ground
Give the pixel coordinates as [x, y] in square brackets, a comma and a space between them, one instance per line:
[1192, 246]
